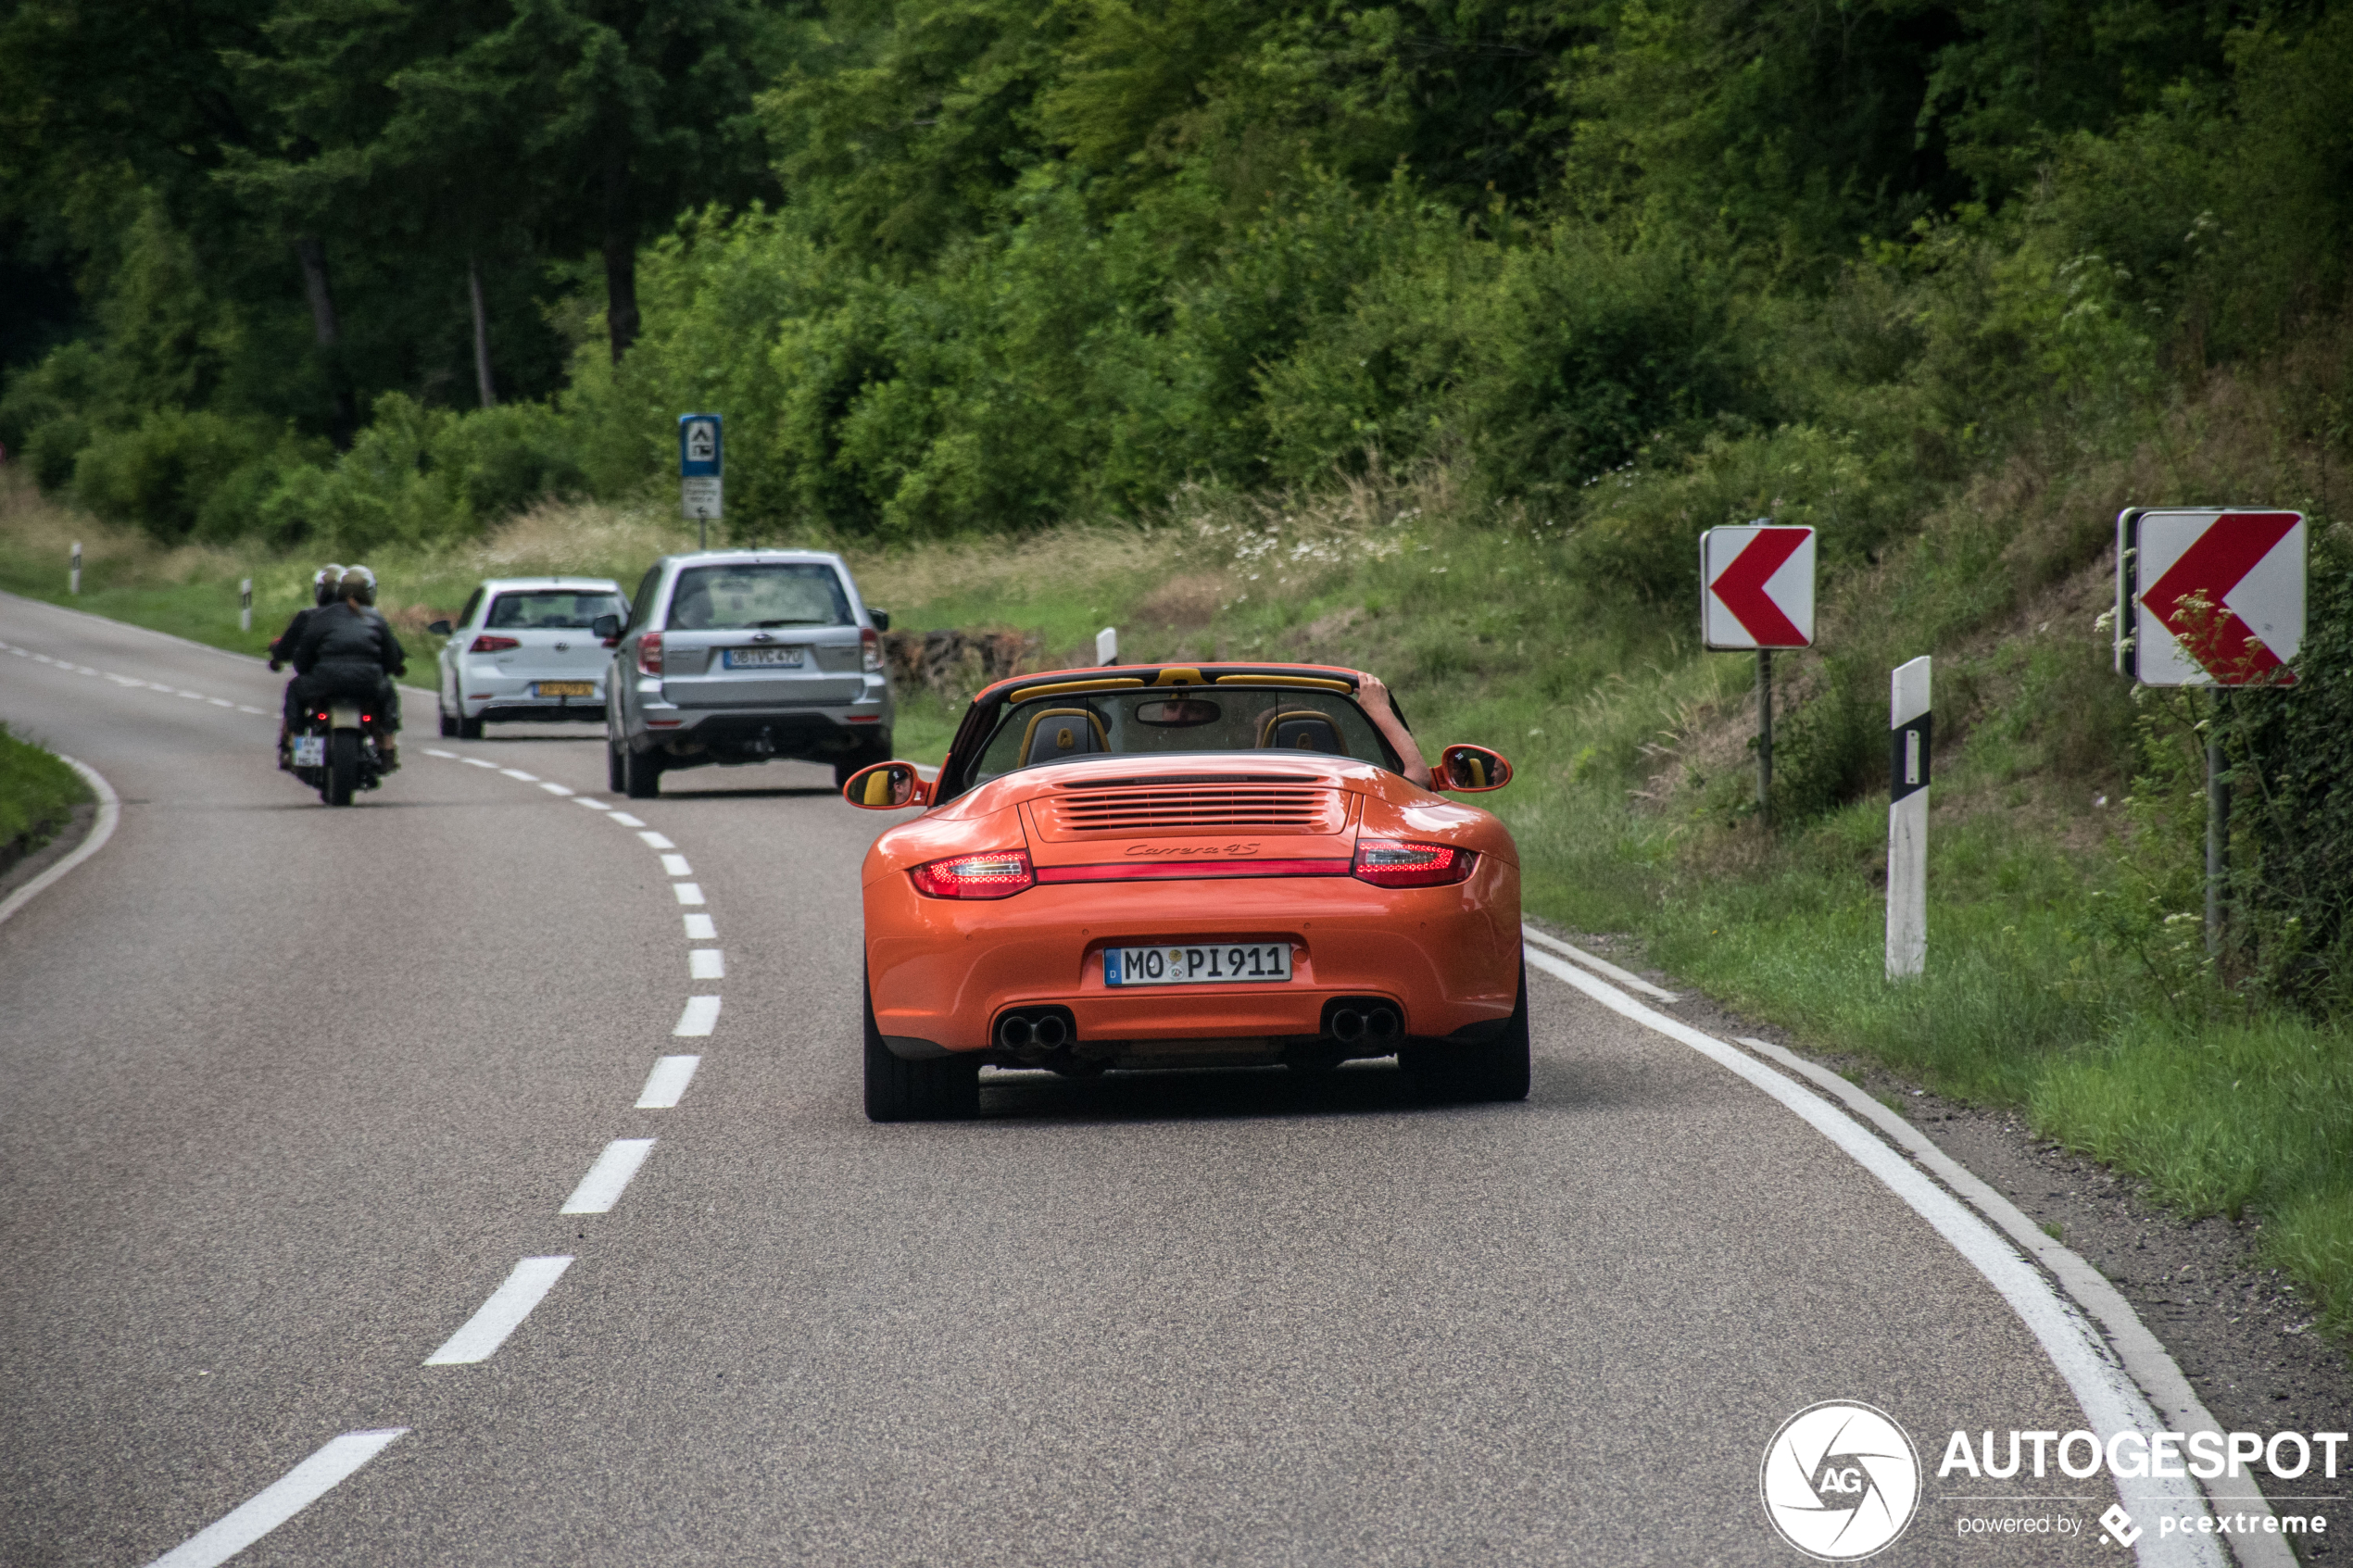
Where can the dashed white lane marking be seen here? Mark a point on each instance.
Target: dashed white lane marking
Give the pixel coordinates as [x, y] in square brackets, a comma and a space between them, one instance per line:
[194, 696]
[702, 1014]
[699, 928]
[519, 773]
[436, 751]
[503, 1313]
[688, 892]
[477, 763]
[591, 802]
[706, 963]
[666, 1085]
[555, 789]
[675, 865]
[220, 702]
[256, 712]
[281, 1501]
[601, 1187]
[625, 820]
[656, 841]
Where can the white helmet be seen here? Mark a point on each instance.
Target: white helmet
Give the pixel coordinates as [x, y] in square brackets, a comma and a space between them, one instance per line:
[327, 584]
[360, 583]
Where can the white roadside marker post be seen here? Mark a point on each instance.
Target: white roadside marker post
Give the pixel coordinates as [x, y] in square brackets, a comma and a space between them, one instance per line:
[73, 571]
[245, 605]
[1908, 763]
[1107, 646]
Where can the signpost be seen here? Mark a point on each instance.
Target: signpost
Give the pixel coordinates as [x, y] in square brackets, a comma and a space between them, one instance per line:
[702, 456]
[1907, 764]
[1759, 582]
[2210, 596]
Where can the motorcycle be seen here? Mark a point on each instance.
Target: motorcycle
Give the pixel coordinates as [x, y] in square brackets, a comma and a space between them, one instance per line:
[335, 750]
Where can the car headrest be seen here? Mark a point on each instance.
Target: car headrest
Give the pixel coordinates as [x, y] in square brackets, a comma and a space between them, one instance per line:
[1060, 733]
[1301, 730]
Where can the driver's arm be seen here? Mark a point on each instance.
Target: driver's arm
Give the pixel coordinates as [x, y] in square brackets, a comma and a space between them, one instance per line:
[1373, 696]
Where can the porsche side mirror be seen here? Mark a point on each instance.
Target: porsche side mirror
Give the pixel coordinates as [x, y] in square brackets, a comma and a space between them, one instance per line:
[886, 786]
[1471, 769]
[607, 627]
[440, 628]
[881, 617]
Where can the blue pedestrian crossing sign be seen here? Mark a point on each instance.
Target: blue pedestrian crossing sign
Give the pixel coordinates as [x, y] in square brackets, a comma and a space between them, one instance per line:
[700, 446]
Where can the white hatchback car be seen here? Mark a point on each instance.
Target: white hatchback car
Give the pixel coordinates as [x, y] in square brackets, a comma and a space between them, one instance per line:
[525, 648]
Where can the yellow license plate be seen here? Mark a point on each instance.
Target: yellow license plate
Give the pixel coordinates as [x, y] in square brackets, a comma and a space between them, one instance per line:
[567, 688]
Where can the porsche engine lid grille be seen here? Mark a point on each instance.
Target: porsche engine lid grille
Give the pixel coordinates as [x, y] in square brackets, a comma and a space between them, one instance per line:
[1218, 805]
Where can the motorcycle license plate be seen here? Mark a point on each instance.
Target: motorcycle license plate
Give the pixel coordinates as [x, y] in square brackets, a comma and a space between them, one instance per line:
[567, 688]
[1227, 963]
[311, 751]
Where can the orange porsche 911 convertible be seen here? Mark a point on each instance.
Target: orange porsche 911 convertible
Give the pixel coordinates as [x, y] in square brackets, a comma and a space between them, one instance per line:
[1195, 865]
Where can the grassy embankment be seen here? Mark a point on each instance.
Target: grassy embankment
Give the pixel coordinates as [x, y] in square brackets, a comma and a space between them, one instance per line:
[2064, 815]
[37, 796]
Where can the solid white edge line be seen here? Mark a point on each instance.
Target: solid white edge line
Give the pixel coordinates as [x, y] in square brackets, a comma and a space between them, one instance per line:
[666, 1085]
[1598, 965]
[525, 1285]
[700, 1017]
[609, 1177]
[2144, 1355]
[110, 813]
[2106, 1395]
[701, 928]
[281, 1501]
[706, 963]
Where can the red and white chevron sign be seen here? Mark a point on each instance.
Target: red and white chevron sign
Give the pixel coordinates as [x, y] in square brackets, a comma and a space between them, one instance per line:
[2210, 596]
[1759, 580]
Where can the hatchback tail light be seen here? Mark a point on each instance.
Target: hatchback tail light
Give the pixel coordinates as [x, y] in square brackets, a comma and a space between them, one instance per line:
[870, 648]
[650, 654]
[490, 644]
[997, 874]
[1393, 862]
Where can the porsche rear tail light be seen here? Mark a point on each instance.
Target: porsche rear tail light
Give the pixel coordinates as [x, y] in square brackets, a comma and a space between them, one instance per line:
[650, 654]
[490, 644]
[870, 648]
[1394, 862]
[1000, 874]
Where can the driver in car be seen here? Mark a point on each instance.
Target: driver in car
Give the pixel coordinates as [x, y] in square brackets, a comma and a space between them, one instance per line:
[347, 650]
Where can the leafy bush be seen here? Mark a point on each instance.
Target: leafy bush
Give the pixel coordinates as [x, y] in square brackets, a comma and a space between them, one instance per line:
[161, 473]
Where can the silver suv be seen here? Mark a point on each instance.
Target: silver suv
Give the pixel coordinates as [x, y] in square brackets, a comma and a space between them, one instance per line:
[744, 656]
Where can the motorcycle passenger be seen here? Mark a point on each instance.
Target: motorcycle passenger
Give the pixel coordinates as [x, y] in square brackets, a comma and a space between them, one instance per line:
[326, 585]
[348, 651]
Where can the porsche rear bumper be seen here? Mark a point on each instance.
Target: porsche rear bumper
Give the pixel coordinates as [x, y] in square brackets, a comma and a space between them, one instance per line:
[943, 970]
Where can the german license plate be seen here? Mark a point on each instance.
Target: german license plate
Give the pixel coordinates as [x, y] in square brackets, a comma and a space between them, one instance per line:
[311, 751]
[762, 658]
[567, 688]
[1186, 964]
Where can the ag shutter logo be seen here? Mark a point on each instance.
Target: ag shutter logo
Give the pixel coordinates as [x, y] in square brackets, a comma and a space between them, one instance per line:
[1839, 1481]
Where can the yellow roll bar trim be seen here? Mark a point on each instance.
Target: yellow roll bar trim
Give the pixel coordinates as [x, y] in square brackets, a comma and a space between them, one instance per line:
[1060, 688]
[1180, 675]
[1315, 681]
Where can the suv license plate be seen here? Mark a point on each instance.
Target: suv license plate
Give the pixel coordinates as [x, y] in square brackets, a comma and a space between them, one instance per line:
[761, 658]
[1184, 964]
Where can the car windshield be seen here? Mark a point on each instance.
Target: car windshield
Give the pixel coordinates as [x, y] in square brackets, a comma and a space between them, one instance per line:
[551, 610]
[1160, 721]
[730, 598]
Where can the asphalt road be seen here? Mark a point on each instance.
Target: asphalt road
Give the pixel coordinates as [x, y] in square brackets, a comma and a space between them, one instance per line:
[290, 1091]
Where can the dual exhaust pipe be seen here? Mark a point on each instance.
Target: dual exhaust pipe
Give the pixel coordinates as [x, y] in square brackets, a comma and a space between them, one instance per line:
[1042, 1032]
[1376, 1023]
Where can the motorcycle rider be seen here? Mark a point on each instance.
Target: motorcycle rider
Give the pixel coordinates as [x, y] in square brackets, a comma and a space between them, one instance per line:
[326, 583]
[347, 650]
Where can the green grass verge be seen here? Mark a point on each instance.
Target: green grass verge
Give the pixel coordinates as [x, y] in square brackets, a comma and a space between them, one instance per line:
[38, 793]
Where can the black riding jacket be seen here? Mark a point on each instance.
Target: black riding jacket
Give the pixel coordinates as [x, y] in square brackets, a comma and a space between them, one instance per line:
[349, 638]
[282, 652]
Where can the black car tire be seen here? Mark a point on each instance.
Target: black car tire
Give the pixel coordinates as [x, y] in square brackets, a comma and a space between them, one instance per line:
[448, 727]
[614, 779]
[468, 729]
[1497, 1069]
[946, 1090]
[640, 774]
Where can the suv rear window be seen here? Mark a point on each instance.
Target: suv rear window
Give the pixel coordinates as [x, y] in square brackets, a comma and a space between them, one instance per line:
[553, 609]
[730, 598]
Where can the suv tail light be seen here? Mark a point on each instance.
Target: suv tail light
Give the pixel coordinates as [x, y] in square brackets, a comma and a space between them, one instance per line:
[870, 648]
[650, 654]
[1000, 874]
[1393, 862]
[488, 643]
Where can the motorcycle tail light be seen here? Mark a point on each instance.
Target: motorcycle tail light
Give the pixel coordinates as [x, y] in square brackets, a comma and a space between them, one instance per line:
[650, 654]
[488, 643]
[1394, 862]
[870, 649]
[1000, 874]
